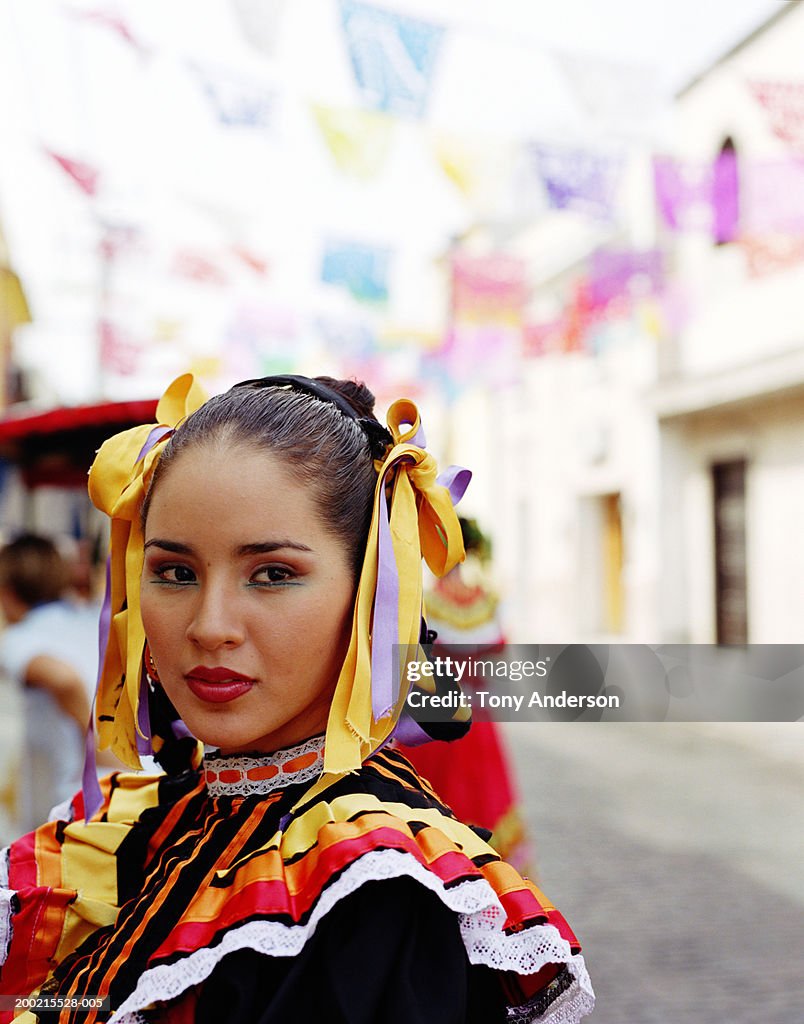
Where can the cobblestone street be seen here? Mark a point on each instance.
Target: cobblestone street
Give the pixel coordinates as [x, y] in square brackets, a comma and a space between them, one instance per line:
[676, 855]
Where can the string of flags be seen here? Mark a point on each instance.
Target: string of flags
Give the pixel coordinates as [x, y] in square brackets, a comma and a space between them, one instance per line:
[394, 62]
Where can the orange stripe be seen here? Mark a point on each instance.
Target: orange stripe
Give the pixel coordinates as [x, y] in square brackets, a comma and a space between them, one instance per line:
[47, 851]
[167, 826]
[47, 934]
[95, 976]
[166, 889]
[391, 771]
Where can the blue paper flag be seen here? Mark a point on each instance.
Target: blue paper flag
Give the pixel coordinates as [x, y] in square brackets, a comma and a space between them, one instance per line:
[393, 57]
[361, 269]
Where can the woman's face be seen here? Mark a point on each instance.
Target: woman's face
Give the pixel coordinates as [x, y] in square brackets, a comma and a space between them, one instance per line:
[246, 599]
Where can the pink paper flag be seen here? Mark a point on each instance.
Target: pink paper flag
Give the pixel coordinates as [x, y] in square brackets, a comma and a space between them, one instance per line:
[85, 176]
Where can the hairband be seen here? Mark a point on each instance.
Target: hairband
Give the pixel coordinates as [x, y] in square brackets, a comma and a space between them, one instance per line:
[379, 438]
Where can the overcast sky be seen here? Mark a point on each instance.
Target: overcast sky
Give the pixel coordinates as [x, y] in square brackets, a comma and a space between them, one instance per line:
[678, 37]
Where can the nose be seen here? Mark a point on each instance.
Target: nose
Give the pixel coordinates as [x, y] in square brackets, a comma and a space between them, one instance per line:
[215, 622]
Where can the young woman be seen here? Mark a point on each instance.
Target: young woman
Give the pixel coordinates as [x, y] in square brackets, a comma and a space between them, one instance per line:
[265, 558]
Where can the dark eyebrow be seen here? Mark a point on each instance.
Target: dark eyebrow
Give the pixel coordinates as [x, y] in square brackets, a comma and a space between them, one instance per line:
[266, 547]
[168, 545]
[258, 548]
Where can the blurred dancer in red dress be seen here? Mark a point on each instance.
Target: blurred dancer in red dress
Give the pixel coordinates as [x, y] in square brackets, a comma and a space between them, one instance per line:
[472, 775]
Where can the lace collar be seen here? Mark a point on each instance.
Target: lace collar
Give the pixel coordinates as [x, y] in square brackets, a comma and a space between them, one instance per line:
[259, 774]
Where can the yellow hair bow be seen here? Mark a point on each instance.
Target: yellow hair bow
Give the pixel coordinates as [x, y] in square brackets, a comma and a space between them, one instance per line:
[118, 482]
[413, 518]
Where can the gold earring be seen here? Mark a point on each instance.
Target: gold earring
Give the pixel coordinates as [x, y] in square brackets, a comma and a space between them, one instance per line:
[150, 667]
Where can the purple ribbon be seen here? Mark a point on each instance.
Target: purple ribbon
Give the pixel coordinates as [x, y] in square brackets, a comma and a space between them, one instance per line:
[385, 681]
[93, 798]
[409, 732]
[153, 438]
[143, 737]
[385, 618]
[456, 480]
[180, 730]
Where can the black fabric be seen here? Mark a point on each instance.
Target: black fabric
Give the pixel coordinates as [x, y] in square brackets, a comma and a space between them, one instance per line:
[390, 953]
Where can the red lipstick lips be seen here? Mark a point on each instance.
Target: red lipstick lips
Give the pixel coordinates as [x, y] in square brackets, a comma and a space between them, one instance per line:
[217, 685]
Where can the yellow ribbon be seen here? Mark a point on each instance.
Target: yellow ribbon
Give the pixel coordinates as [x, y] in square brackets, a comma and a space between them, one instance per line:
[118, 483]
[423, 524]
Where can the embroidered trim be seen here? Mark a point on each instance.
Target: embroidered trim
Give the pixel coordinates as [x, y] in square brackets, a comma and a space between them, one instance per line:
[9, 905]
[571, 1005]
[536, 1006]
[257, 775]
[481, 918]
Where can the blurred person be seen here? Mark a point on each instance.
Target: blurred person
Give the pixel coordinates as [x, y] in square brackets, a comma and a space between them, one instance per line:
[49, 647]
[473, 775]
[297, 868]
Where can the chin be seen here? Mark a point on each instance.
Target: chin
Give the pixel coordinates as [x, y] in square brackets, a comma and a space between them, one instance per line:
[229, 743]
[218, 735]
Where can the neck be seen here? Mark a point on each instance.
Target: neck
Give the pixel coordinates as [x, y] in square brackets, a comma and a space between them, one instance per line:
[258, 774]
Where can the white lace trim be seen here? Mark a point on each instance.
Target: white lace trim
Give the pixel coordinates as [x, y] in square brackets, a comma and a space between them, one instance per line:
[250, 774]
[524, 952]
[6, 927]
[480, 912]
[6, 905]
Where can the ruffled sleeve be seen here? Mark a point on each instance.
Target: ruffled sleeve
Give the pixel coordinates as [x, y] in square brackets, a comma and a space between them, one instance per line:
[391, 951]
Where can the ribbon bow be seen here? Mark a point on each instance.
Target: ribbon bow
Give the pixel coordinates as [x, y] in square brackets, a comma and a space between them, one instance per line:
[118, 482]
[422, 523]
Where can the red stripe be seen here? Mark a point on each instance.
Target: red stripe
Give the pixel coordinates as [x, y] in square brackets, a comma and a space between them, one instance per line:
[556, 918]
[22, 872]
[244, 898]
[35, 937]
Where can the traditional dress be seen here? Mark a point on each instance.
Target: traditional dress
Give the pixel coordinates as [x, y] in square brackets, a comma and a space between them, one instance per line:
[252, 888]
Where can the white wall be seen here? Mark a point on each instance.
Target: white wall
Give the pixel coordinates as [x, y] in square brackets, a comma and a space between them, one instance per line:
[738, 319]
[770, 436]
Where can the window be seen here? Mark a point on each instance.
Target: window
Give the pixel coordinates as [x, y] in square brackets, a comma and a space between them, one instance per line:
[726, 195]
[731, 584]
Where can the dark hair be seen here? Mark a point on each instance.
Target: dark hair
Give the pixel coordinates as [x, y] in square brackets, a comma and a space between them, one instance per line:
[33, 570]
[474, 540]
[321, 445]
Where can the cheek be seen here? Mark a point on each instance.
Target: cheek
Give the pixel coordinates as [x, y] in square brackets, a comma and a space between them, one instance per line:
[340, 612]
[156, 626]
[146, 611]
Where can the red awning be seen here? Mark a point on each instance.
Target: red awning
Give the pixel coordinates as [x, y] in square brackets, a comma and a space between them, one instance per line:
[66, 418]
[57, 446]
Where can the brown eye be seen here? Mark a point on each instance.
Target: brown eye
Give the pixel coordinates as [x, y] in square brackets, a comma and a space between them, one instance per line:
[176, 574]
[272, 574]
